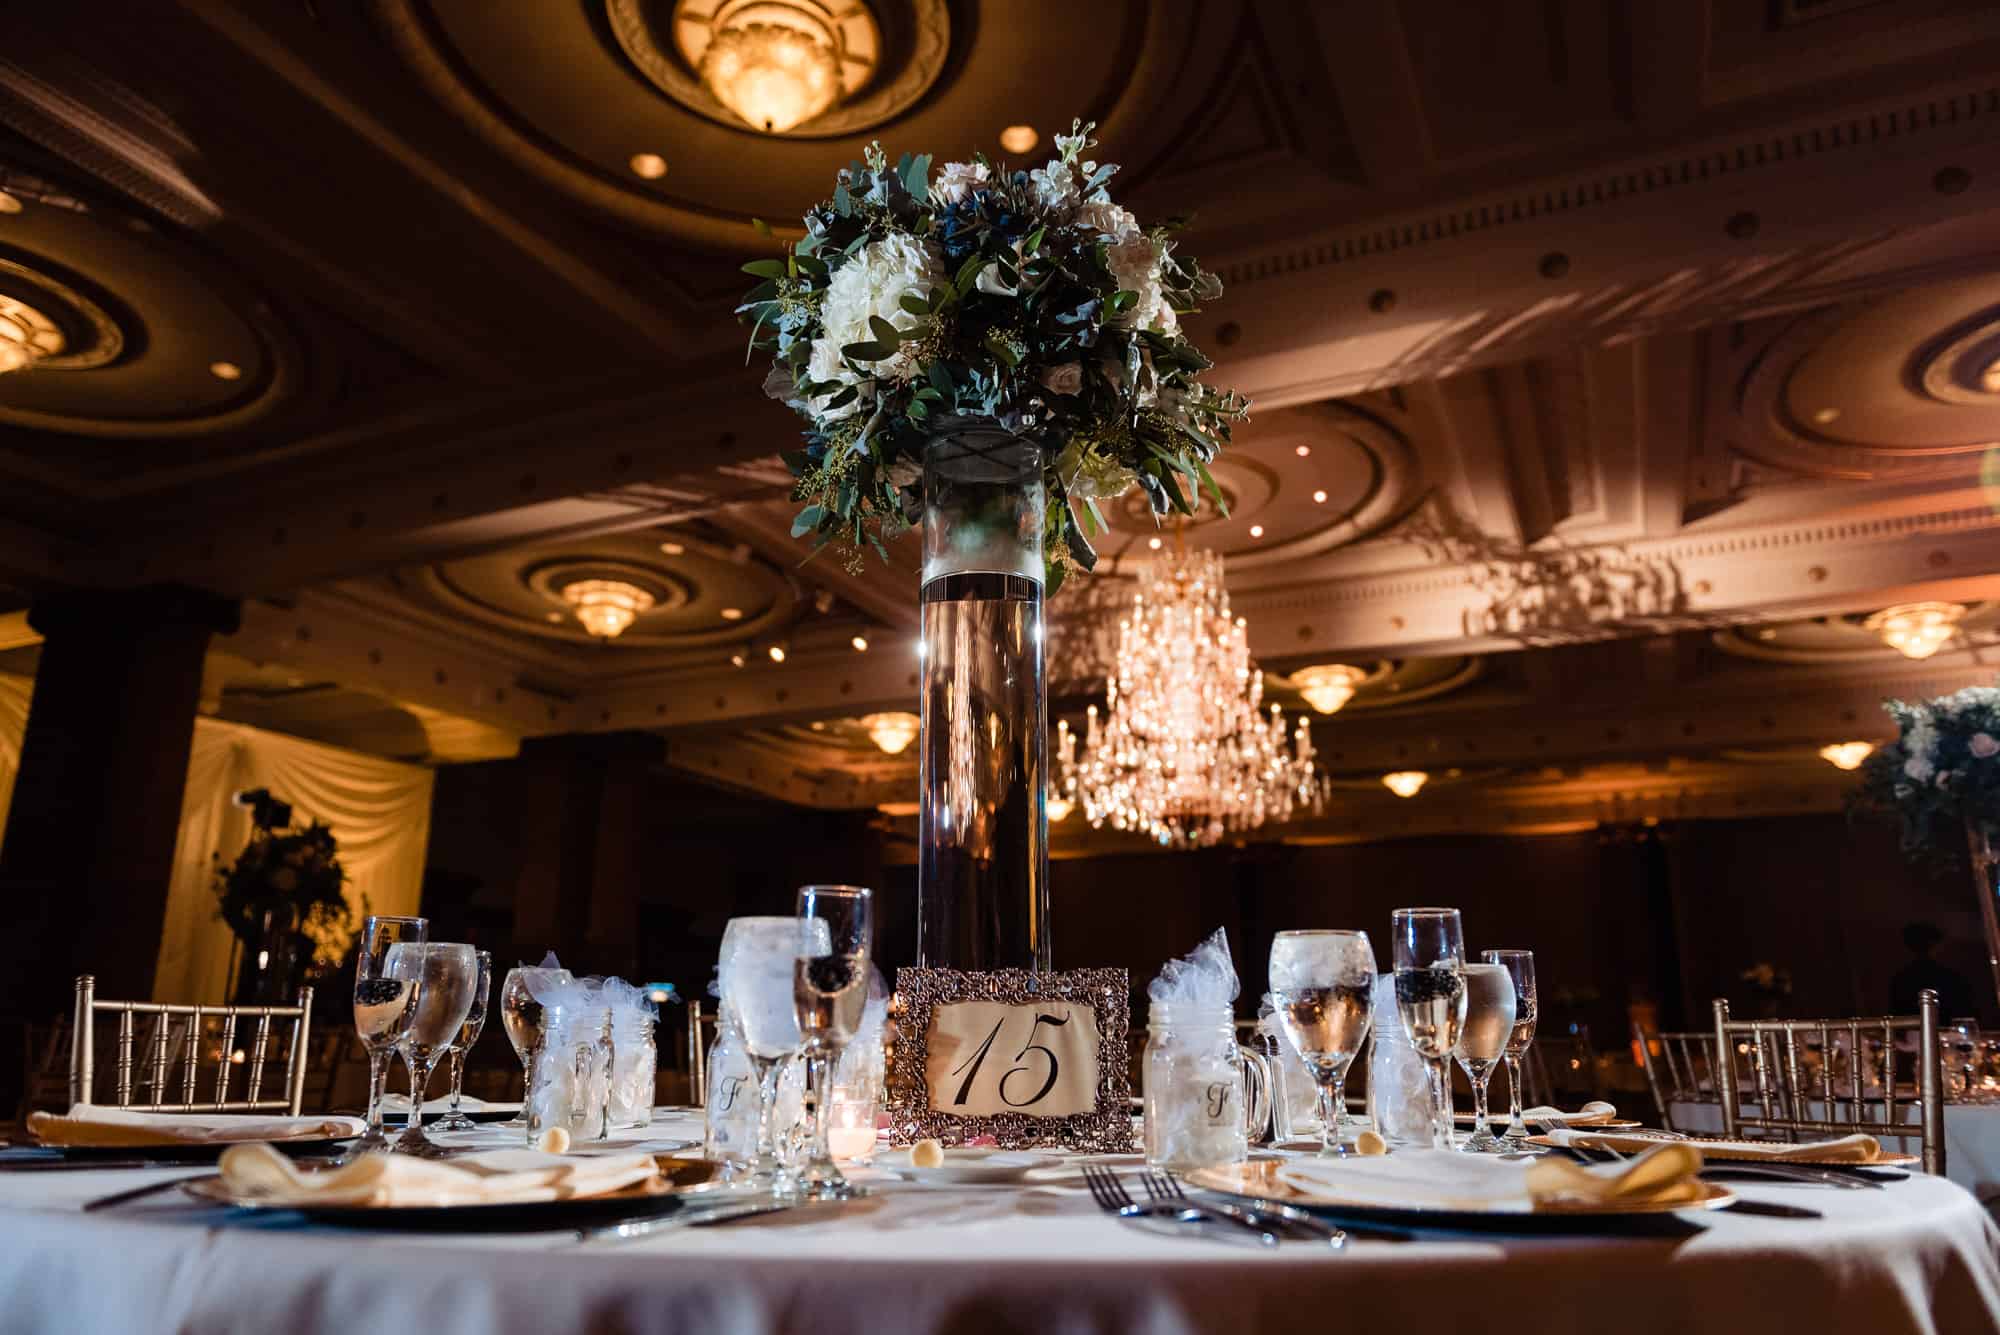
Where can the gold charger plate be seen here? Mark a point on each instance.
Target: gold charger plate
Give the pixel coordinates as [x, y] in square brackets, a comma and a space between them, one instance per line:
[1259, 1180]
[678, 1181]
[1743, 1151]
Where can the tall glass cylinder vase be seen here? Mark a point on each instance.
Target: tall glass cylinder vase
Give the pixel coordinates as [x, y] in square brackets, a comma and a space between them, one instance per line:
[983, 863]
[1986, 884]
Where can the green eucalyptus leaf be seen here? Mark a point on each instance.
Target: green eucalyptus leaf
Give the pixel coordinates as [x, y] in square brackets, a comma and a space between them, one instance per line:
[885, 333]
[765, 268]
[868, 352]
[807, 520]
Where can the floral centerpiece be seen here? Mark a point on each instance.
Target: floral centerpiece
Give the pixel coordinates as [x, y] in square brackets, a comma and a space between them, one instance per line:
[1023, 298]
[282, 898]
[1941, 779]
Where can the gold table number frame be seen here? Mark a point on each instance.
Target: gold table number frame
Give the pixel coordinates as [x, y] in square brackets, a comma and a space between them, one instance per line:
[1031, 1016]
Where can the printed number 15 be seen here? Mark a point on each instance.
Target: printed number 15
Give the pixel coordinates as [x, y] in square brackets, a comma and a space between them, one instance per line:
[978, 1058]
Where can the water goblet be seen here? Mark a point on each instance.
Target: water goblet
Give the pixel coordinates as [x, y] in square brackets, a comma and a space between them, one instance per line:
[1430, 997]
[1520, 966]
[468, 1034]
[1489, 1020]
[521, 1016]
[829, 992]
[384, 1005]
[756, 971]
[1321, 985]
[445, 974]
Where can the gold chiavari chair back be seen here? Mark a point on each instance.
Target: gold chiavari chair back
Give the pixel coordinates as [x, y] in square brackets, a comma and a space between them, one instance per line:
[1680, 1068]
[159, 1046]
[701, 1020]
[1804, 1082]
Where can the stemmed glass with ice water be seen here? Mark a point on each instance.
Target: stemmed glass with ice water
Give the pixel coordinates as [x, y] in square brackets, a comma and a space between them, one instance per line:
[756, 970]
[1430, 997]
[1489, 1022]
[1520, 966]
[444, 974]
[1321, 985]
[384, 1005]
[521, 1016]
[829, 992]
[468, 1034]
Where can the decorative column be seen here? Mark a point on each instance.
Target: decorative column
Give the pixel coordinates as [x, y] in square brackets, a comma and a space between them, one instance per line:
[89, 849]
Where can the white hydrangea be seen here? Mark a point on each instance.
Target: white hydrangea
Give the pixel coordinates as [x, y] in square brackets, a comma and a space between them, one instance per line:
[1055, 187]
[871, 284]
[1919, 768]
[1135, 265]
[956, 181]
[1107, 219]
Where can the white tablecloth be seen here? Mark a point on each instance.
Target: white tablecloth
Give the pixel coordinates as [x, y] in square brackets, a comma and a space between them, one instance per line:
[1971, 1141]
[1920, 1256]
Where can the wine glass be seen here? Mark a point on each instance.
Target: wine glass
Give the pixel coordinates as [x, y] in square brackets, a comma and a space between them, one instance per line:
[755, 971]
[830, 975]
[445, 974]
[521, 1016]
[383, 1008]
[1430, 997]
[1520, 966]
[1482, 1039]
[1321, 983]
[468, 1034]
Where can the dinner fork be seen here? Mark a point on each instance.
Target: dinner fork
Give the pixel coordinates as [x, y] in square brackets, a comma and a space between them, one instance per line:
[1162, 1187]
[1111, 1197]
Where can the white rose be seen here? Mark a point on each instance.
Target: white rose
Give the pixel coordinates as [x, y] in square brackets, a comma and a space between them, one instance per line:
[1919, 769]
[1982, 746]
[872, 284]
[958, 180]
[1064, 379]
[1107, 219]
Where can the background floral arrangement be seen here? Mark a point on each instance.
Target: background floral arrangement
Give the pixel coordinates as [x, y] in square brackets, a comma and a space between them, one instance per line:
[294, 876]
[1942, 773]
[1025, 297]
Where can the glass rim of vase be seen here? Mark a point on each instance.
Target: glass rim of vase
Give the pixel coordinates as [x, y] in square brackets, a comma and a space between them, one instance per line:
[1424, 913]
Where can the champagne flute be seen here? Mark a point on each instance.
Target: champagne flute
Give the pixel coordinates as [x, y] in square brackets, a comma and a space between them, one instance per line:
[1520, 966]
[468, 1034]
[829, 991]
[1321, 983]
[755, 971]
[445, 973]
[383, 1008]
[521, 1016]
[1489, 1020]
[1430, 998]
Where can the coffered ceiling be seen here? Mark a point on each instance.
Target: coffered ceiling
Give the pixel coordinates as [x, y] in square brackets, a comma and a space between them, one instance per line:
[1659, 338]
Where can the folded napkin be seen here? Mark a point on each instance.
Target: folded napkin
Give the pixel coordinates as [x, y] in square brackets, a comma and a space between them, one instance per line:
[86, 1125]
[1447, 1180]
[1590, 1114]
[1847, 1149]
[497, 1177]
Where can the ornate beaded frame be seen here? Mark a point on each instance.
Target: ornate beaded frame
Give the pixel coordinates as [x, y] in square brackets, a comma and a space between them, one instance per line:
[1106, 1130]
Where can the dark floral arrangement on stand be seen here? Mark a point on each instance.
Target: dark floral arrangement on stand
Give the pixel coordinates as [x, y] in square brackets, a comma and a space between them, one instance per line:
[1021, 296]
[282, 898]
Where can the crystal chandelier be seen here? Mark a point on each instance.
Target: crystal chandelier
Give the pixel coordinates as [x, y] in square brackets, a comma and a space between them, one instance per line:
[606, 606]
[26, 335]
[1917, 630]
[1184, 750]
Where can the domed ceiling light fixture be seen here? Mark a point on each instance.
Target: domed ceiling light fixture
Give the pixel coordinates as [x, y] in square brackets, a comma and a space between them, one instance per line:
[892, 732]
[1327, 687]
[777, 64]
[1846, 755]
[1405, 782]
[1917, 630]
[26, 335]
[606, 607]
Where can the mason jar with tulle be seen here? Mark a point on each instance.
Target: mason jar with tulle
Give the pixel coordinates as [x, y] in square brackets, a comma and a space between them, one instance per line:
[982, 871]
[1204, 1094]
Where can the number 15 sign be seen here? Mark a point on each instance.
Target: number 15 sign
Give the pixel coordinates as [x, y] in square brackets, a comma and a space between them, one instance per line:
[1029, 1059]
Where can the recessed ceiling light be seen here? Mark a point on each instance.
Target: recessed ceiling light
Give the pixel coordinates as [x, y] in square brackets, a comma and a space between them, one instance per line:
[860, 643]
[1989, 379]
[1303, 450]
[1825, 415]
[649, 166]
[1256, 530]
[555, 618]
[1154, 543]
[732, 614]
[1019, 139]
[673, 549]
[737, 659]
[777, 652]
[225, 370]
[818, 725]
[9, 204]
[1319, 498]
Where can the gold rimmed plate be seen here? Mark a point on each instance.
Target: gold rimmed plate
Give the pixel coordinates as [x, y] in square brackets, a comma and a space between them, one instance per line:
[681, 1182]
[1259, 1181]
[1727, 1151]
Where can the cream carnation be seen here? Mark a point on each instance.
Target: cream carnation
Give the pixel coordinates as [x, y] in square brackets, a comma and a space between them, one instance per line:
[872, 284]
[1064, 379]
[1135, 265]
[1983, 746]
[1107, 219]
[958, 180]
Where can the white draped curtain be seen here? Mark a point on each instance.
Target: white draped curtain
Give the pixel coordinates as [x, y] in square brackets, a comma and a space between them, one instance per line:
[379, 811]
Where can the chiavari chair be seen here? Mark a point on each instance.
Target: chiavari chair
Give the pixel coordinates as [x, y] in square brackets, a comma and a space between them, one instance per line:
[1679, 1068]
[1833, 1097]
[701, 1022]
[172, 1045]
